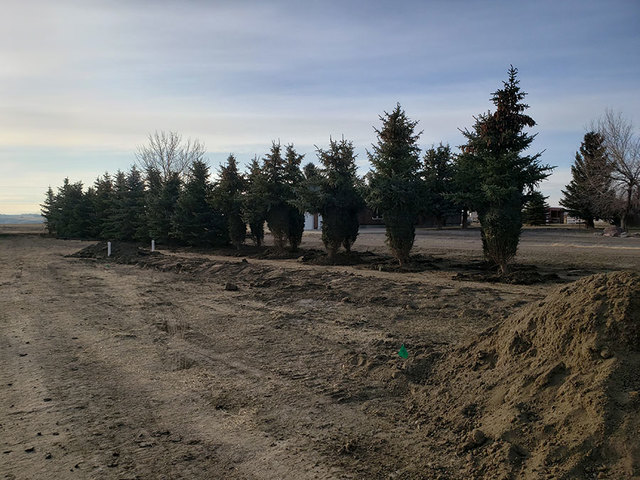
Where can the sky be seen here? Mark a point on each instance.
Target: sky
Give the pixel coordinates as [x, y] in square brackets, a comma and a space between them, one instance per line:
[83, 83]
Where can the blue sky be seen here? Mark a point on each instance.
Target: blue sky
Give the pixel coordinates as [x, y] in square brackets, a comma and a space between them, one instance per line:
[82, 83]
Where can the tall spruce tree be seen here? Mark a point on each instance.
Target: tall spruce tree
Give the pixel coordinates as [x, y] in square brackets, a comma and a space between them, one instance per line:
[293, 178]
[277, 195]
[282, 178]
[48, 210]
[394, 185]
[335, 192]
[228, 198]
[102, 201]
[493, 157]
[438, 173]
[161, 200]
[153, 210]
[255, 202]
[113, 229]
[72, 211]
[590, 194]
[126, 220]
[195, 221]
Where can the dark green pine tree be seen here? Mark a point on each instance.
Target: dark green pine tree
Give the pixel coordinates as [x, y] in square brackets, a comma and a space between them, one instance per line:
[493, 158]
[255, 202]
[282, 179]
[395, 188]
[535, 209]
[153, 211]
[102, 203]
[336, 193]
[49, 210]
[195, 221]
[276, 195]
[161, 200]
[127, 219]
[590, 194]
[126, 216]
[113, 228]
[72, 211]
[438, 174]
[294, 180]
[228, 198]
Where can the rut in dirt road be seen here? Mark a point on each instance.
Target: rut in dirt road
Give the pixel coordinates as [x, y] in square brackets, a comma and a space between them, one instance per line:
[154, 374]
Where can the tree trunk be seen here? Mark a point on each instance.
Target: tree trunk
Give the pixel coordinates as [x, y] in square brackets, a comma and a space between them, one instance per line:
[465, 217]
[627, 209]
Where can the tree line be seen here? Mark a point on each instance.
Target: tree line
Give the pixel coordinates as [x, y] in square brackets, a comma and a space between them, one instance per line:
[170, 197]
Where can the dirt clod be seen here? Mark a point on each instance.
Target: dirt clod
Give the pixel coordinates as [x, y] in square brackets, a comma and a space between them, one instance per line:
[231, 287]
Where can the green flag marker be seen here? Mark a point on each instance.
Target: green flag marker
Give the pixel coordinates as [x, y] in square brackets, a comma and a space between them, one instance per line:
[403, 352]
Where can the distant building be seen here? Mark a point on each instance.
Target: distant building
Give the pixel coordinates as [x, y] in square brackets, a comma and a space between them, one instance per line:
[555, 215]
[312, 221]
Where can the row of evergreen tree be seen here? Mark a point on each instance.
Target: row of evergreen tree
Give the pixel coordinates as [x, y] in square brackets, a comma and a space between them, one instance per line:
[490, 176]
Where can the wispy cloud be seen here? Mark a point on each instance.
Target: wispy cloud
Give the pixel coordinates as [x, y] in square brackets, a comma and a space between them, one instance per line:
[96, 76]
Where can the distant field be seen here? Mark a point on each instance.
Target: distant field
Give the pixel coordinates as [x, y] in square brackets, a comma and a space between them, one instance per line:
[18, 219]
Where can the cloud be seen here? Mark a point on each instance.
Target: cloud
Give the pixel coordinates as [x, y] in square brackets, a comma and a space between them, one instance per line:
[91, 79]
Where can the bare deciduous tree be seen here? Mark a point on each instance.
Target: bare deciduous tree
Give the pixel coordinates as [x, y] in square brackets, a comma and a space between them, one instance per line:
[168, 154]
[623, 148]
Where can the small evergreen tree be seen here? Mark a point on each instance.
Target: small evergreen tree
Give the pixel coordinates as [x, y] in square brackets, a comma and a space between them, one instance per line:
[335, 193]
[126, 214]
[113, 227]
[135, 206]
[438, 173]
[72, 211]
[492, 158]
[228, 198]
[273, 167]
[590, 194]
[153, 210]
[102, 202]
[535, 209]
[48, 210]
[282, 179]
[293, 178]
[394, 186]
[195, 221]
[255, 202]
[162, 198]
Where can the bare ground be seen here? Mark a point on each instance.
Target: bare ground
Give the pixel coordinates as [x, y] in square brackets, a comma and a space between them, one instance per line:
[109, 370]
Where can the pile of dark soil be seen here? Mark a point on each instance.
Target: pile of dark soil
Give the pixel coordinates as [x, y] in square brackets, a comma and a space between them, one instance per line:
[553, 392]
[121, 252]
[131, 253]
[519, 274]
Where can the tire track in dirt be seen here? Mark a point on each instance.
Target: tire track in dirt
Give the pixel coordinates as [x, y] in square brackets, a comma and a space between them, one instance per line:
[294, 375]
[136, 391]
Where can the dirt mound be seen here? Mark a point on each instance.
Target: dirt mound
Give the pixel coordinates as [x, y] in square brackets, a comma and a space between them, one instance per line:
[553, 392]
[121, 252]
[518, 274]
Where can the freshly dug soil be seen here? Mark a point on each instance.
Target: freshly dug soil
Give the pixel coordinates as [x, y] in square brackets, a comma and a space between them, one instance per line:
[475, 271]
[552, 392]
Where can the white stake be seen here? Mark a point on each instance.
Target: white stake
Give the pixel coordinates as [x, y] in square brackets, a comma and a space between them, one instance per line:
[108, 249]
[153, 245]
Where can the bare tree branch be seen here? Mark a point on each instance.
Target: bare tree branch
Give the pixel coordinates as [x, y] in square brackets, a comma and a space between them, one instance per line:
[167, 153]
[623, 148]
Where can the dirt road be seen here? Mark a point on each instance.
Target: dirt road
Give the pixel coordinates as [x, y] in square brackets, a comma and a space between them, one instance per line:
[115, 371]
